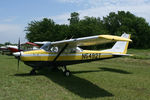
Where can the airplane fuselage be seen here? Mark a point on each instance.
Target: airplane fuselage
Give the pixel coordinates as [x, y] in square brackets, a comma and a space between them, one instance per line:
[42, 58]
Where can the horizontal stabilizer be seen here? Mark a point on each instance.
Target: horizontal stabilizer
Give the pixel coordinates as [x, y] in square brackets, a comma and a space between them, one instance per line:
[122, 54]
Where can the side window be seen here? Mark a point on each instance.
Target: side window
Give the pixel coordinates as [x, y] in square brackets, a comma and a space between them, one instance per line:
[67, 51]
[73, 50]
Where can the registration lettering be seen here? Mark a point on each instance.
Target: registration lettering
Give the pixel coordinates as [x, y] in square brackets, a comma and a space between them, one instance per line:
[91, 56]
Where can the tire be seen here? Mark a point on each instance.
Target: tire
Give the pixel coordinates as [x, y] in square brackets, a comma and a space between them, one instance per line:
[67, 73]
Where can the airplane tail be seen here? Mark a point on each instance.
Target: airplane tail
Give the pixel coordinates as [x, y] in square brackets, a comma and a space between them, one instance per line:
[120, 47]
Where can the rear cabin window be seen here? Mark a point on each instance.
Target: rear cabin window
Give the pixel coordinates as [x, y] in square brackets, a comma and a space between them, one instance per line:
[73, 50]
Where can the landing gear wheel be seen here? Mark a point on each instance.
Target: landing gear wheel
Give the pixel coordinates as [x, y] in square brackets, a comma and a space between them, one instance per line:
[33, 72]
[67, 73]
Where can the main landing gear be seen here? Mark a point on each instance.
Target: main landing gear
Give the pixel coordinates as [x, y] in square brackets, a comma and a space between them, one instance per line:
[33, 72]
[65, 71]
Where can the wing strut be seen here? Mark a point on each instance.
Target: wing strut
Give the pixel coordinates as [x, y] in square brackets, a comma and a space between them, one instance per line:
[60, 52]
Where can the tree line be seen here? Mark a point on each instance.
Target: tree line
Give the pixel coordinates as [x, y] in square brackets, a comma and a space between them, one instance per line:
[113, 24]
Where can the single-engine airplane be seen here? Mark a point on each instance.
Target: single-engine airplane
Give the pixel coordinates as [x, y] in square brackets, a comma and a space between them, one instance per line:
[25, 47]
[67, 52]
[4, 49]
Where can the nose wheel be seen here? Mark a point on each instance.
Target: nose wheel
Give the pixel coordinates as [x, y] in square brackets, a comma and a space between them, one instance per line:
[67, 73]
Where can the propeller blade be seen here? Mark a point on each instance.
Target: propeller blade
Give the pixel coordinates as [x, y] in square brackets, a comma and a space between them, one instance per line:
[18, 63]
[19, 45]
[19, 55]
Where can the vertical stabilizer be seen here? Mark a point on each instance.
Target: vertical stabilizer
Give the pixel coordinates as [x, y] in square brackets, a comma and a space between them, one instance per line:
[120, 46]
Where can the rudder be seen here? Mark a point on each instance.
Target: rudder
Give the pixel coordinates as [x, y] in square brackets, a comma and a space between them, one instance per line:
[120, 46]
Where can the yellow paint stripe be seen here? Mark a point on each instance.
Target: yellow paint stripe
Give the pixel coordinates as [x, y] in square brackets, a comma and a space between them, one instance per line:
[117, 38]
[126, 47]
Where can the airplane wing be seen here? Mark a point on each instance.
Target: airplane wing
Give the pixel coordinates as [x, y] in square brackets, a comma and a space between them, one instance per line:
[32, 44]
[91, 40]
[85, 41]
[41, 43]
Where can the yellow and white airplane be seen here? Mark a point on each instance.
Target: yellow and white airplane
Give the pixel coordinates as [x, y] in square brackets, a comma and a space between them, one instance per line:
[67, 52]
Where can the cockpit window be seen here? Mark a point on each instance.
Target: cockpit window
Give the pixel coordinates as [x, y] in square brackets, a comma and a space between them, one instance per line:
[48, 47]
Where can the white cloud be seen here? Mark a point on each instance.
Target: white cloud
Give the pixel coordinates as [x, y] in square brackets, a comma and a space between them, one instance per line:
[95, 8]
[96, 3]
[102, 11]
[71, 1]
[100, 8]
[9, 19]
[11, 33]
[61, 19]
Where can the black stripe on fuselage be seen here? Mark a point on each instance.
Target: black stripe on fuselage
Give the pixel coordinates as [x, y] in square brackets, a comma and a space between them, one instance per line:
[60, 63]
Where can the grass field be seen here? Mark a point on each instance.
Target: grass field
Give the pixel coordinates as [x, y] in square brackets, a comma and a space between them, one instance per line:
[126, 78]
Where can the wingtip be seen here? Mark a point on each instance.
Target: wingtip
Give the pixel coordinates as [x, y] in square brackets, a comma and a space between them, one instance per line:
[129, 40]
[116, 38]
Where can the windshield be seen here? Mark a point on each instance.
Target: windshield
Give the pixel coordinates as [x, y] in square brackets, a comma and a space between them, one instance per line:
[46, 46]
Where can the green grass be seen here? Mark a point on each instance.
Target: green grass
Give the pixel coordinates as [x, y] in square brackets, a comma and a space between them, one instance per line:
[126, 78]
[140, 54]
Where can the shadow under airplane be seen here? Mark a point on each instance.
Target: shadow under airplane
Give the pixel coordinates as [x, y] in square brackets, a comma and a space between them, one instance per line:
[115, 70]
[76, 85]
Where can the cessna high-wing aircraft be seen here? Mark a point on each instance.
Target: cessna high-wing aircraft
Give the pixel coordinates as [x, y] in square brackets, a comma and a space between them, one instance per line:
[67, 52]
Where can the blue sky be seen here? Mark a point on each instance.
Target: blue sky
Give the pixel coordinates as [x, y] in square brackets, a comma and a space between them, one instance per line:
[16, 14]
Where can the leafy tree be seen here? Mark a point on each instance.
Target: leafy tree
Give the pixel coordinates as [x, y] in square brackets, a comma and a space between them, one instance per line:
[74, 18]
[62, 32]
[7, 43]
[41, 30]
[114, 24]
[121, 22]
[1, 45]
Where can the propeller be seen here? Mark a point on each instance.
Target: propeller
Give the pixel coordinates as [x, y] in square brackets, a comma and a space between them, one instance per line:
[19, 54]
